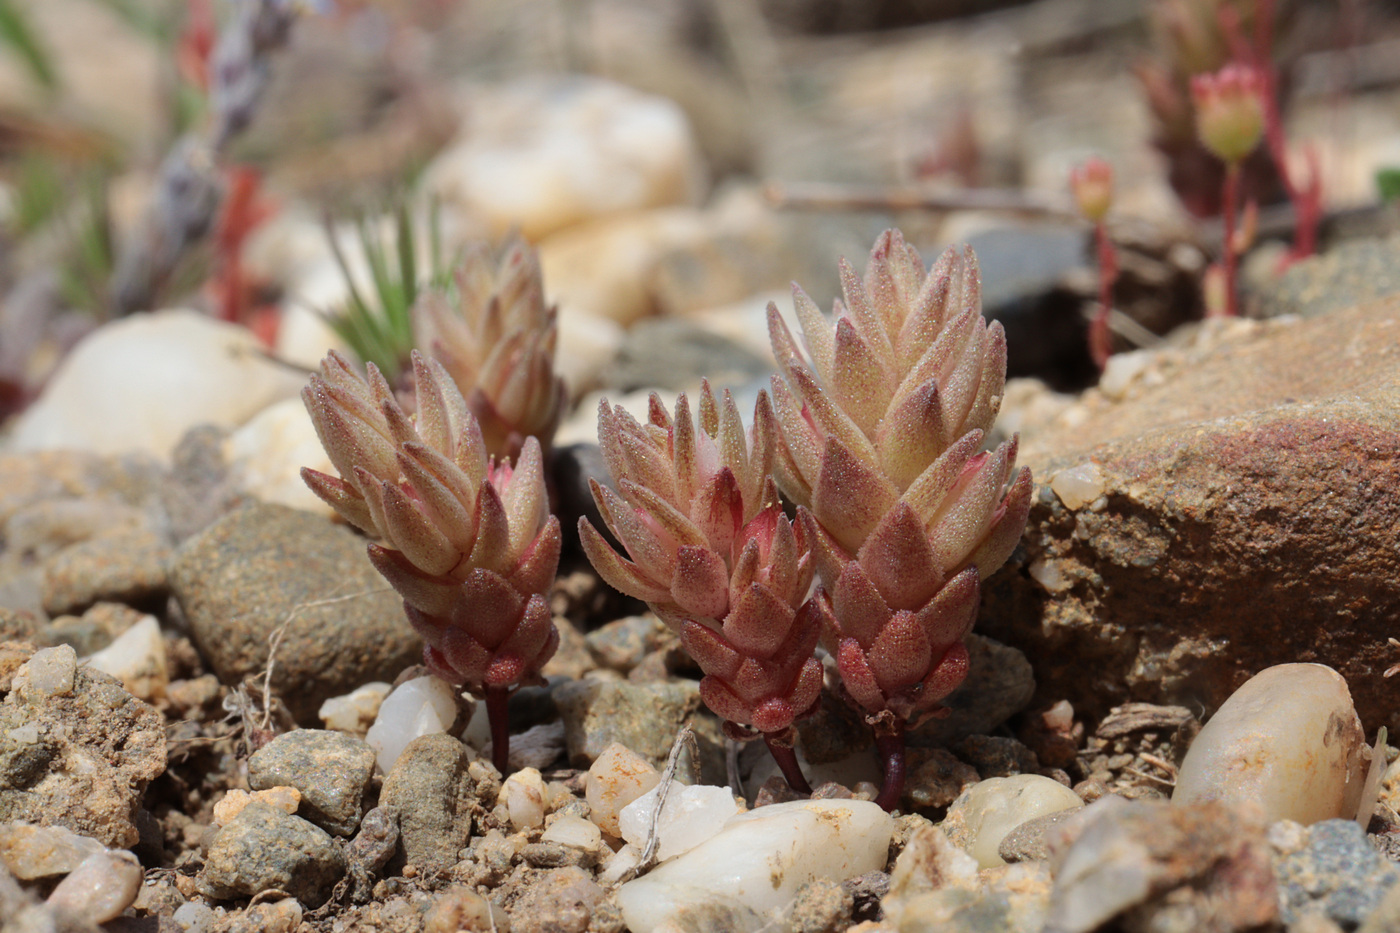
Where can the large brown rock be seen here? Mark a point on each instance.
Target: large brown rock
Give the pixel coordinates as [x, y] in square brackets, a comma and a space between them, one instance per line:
[1248, 515]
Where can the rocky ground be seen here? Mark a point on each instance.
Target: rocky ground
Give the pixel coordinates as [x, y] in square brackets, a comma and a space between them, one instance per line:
[212, 715]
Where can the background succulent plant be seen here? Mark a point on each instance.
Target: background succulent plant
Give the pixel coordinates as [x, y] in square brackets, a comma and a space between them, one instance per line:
[715, 557]
[879, 421]
[466, 540]
[495, 336]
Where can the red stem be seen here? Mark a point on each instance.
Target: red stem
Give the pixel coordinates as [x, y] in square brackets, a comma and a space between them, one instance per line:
[1100, 340]
[1231, 195]
[787, 763]
[890, 745]
[498, 715]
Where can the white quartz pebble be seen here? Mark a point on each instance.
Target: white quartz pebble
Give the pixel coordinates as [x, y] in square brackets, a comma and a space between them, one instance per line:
[137, 658]
[422, 706]
[574, 831]
[356, 710]
[195, 917]
[30, 852]
[689, 817]
[756, 864]
[990, 809]
[100, 888]
[1288, 740]
[1078, 485]
[49, 672]
[618, 777]
[523, 795]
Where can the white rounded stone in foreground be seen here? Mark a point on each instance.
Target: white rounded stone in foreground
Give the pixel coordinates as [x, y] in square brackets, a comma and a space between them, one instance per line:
[1288, 740]
[992, 808]
[757, 863]
[689, 817]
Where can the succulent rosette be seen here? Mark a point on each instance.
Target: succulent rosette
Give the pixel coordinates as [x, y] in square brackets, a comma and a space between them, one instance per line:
[710, 550]
[880, 419]
[495, 336]
[468, 542]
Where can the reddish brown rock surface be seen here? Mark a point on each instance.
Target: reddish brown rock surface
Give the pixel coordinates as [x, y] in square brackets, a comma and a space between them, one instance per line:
[1250, 515]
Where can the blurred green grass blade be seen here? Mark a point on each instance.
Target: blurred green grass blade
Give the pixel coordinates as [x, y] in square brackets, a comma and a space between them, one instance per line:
[16, 32]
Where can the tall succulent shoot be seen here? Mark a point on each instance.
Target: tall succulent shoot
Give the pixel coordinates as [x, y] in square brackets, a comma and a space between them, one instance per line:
[881, 418]
[466, 540]
[711, 552]
[495, 336]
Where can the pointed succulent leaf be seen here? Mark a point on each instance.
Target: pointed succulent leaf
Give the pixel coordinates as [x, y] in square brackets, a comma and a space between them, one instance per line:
[617, 571]
[851, 494]
[861, 312]
[341, 496]
[927, 494]
[759, 622]
[967, 511]
[798, 450]
[373, 490]
[859, 384]
[1007, 526]
[700, 584]
[665, 521]
[857, 677]
[488, 607]
[900, 561]
[526, 497]
[912, 435]
[828, 557]
[643, 541]
[709, 649]
[946, 676]
[539, 562]
[901, 655]
[718, 511]
[948, 617]
[723, 701]
[352, 433]
[859, 608]
[492, 550]
[423, 469]
[413, 533]
[985, 406]
[433, 596]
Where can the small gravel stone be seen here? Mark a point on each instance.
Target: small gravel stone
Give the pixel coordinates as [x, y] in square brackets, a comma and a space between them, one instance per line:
[643, 717]
[1335, 873]
[122, 566]
[266, 849]
[984, 813]
[461, 908]
[332, 771]
[621, 644]
[1028, 842]
[371, 849]
[432, 791]
[562, 901]
[996, 756]
[936, 777]
[30, 852]
[821, 906]
[99, 889]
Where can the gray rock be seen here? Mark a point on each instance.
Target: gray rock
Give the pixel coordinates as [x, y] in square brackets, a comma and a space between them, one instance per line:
[94, 629]
[332, 770]
[123, 566]
[560, 901]
[999, 684]
[1353, 273]
[621, 644]
[997, 756]
[936, 777]
[821, 906]
[675, 354]
[1336, 873]
[1028, 842]
[433, 794]
[79, 756]
[265, 567]
[371, 850]
[643, 717]
[267, 849]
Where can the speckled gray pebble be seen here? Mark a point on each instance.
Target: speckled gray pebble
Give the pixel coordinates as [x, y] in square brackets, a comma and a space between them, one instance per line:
[1336, 873]
[430, 789]
[1028, 842]
[332, 770]
[267, 849]
[263, 567]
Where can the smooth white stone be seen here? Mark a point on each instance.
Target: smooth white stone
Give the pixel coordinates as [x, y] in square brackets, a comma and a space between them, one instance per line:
[617, 777]
[1078, 485]
[689, 817]
[990, 809]
[1288, 740]
[140, 383]
[541, 154]
[523, 795]
[422, 706]
[757, 863]
[49, 672]
[137, 658]
[100, 888]
[266, 456]
[619, 864]
[356, 710]
[195, 917]
[42, 851]
[569, 830]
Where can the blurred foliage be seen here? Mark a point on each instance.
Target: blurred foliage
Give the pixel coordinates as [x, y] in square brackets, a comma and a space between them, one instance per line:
[1388, 184]
[378, 325]
[16, 33]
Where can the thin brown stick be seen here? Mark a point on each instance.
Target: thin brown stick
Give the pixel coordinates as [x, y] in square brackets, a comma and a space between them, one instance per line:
[831, 197]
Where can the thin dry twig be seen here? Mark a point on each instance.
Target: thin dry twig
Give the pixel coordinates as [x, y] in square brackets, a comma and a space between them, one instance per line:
[1162, 763]
[831, 197]
[684, 739]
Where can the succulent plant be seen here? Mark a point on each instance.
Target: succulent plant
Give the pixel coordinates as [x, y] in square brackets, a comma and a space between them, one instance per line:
[495, 336]
[466, 540]
[879, 421]
[716, 559]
